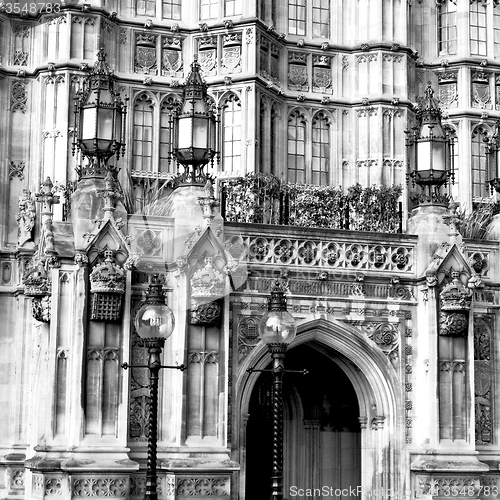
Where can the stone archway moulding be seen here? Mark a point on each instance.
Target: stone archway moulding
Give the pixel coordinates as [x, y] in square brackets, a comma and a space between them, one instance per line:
[380, 396]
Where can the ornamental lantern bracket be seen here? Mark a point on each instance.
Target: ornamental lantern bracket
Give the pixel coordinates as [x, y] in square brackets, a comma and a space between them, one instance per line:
[196, 129]
[99, 128]
[429, 148]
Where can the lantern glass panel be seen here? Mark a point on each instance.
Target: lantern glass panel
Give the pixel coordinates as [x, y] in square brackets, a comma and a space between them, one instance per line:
[89, 117]
[105, 124]
[185, 132]
[154, 321]
[200, 133]
[431, 151]
[277, 327]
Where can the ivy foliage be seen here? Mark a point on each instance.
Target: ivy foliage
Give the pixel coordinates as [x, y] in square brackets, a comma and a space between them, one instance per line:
[263, 198]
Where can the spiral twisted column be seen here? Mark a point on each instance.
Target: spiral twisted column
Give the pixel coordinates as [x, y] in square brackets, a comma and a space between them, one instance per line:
[278, 356]
[154, 365]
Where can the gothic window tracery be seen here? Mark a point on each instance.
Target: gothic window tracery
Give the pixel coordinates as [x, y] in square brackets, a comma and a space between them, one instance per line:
[296, 169]
[320, 149]
[142, 152]
[231, 133]
[152, 134]
[478, 162]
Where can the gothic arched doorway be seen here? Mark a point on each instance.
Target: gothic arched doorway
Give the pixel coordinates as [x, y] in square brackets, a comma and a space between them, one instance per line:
[322, 435]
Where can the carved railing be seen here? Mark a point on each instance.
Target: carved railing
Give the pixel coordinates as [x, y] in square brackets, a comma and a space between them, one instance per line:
[325, 249]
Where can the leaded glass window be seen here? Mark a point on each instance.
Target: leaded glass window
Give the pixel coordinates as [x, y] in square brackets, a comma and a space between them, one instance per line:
[320, 150]
[296, 147]
[142, 150]
[231, 134]
[447, 27]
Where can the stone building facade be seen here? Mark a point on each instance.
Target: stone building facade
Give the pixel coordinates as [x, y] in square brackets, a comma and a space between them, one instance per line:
[398, 330]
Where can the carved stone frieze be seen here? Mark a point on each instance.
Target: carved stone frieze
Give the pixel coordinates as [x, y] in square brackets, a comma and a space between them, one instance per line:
[208, 313]
[453, 324]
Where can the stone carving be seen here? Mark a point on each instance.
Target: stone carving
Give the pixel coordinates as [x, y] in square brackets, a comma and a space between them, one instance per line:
[203, 486]
[483, 379]
[206, 313]
[40, 308]
[385, 335]
[207, 282]
[145, 54]
[248, 335]
[19, 97]
[453, 324]
[25, 217]
[99, 487]
[329, 254]
[149, 242]
[107, 287]
[455, 296]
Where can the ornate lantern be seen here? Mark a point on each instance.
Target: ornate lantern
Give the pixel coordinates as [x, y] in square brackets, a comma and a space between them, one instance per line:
[196, 128]
[493, 152]
[429, 150]
[99, 118]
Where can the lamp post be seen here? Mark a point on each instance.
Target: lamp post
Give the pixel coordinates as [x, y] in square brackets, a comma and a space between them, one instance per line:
[196, 128]
[429, 150]
[277, 329]
[154, 322]
[99, 127]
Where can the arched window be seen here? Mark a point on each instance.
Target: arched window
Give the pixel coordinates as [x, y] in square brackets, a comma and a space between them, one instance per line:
[478, 163]
[320, 150]
[142, 149]
[447, 27]
[231, 134]
[478, 28]
[296, 147]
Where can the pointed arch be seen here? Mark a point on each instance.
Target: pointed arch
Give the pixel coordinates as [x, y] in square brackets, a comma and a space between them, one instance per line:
[168, 107]
[375, 383]
[321, 147]
[479, 172]
[142, 123]
[231, 122]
